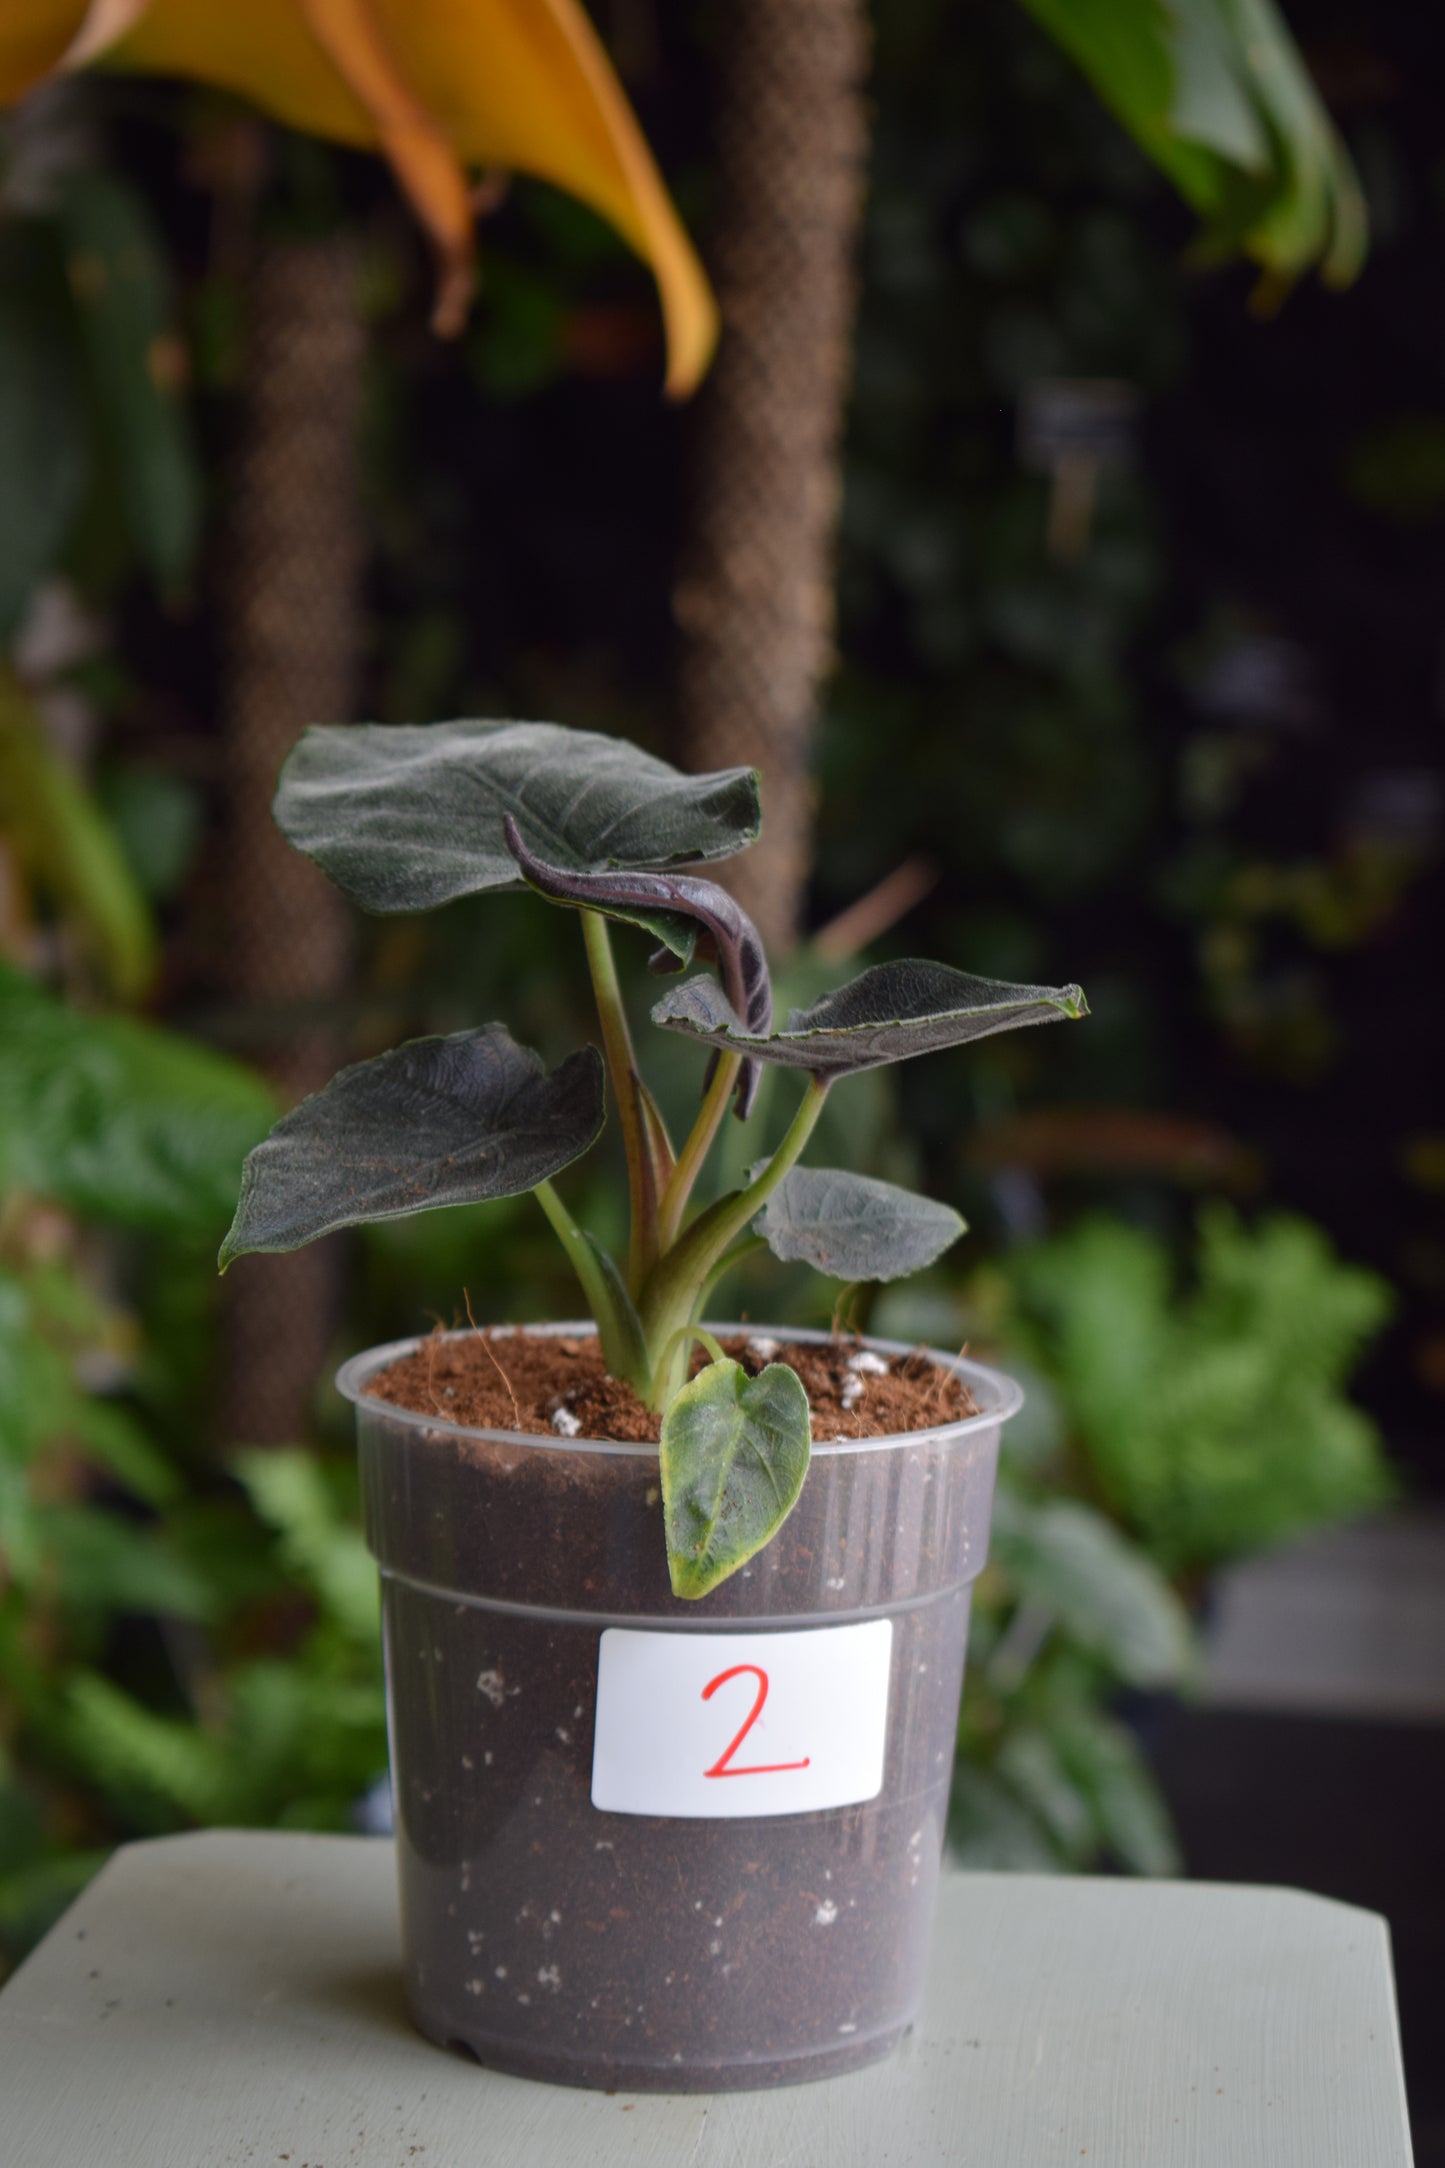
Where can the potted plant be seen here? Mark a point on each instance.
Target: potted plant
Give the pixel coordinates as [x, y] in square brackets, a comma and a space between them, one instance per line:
[674, 1616]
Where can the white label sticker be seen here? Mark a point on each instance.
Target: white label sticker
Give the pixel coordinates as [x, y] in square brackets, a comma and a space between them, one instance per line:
[721, 1725]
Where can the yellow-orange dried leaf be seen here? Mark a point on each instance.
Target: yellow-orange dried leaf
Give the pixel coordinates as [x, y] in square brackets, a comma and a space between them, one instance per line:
[439, 86]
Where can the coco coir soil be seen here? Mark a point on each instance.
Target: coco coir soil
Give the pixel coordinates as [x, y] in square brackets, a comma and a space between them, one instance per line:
[521, 1381]
[630, 1950]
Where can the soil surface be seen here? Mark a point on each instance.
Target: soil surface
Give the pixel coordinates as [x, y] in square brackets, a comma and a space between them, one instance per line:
[534, 1384]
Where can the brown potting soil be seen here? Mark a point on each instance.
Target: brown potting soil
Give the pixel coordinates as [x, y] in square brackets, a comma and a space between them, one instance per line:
[558, 1940]
[514, 1380]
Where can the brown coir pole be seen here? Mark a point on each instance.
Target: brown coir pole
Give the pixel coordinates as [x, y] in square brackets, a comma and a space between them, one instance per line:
[754, 600]
[292, 542]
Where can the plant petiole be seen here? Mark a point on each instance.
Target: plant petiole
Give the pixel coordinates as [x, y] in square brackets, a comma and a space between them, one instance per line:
[622, 1069]
[696, 1148]
[618, 1332]
[673, 1288]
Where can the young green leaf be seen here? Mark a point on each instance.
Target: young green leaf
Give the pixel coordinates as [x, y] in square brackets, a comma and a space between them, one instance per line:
[434, 1122]
[734, 1454]
[889, 1013]
[406, 816]
[853, 1227]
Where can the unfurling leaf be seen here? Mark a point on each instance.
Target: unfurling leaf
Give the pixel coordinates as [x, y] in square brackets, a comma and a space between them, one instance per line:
[677, 908]
[434, 1122]
[407, 816]
[734, 1454]
[889, 1013]
[853, 1227]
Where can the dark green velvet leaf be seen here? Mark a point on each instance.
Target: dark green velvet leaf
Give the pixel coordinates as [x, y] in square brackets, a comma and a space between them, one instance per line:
[734, 1454]
[890, 1013]
[434, 1122]
[853, 1227]
[407, 816]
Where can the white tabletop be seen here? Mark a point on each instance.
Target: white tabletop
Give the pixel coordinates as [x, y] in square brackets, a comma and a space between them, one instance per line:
[231, 2000]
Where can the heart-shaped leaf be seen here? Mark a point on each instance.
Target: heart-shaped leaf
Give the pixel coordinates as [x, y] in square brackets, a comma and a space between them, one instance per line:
[434, 1122]
[407, 816]
[889, 1013]
[734, 1454]
[854, 1228]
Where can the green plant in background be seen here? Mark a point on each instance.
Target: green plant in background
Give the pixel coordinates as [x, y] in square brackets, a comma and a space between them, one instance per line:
[1210, 1418]
[1169, 1429]
[404, 818]
[1068, 1615]
[178, 1641]
[1216, 93]
[95, 438]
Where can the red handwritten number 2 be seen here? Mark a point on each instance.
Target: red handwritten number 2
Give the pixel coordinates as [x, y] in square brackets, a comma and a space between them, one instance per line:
[722, 1767]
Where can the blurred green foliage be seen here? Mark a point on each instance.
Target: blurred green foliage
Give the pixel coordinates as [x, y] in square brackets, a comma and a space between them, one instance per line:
[1212, 1418]
[1173, 1423]
[180, 1641]
[92, 381]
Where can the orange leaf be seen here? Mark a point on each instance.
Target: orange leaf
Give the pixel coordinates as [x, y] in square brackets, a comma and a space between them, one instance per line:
[437, 85]
[34, 37]
[422, 159]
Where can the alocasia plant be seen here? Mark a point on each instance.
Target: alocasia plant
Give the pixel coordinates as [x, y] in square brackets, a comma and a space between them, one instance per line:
[403, 818]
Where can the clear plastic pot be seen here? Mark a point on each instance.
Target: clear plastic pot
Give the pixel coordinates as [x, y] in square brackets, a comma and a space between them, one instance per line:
[665, 1951]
